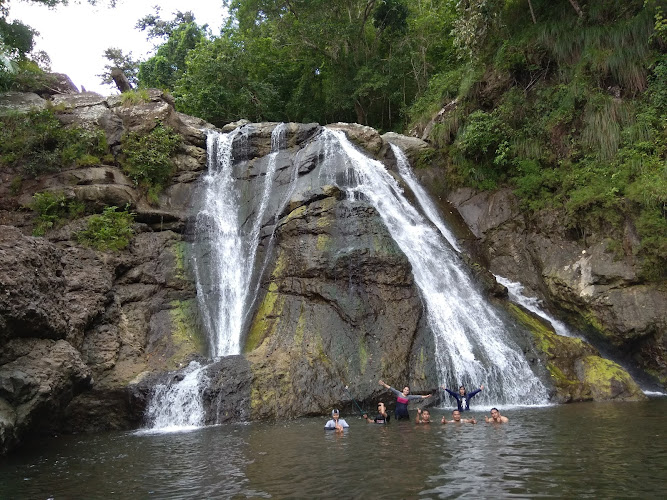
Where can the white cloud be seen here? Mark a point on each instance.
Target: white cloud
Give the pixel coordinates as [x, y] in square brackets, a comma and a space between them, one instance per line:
[76, 36]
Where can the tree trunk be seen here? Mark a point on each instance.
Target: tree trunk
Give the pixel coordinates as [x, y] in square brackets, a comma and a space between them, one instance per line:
[120, 80]
[361, 114]
[575, 6]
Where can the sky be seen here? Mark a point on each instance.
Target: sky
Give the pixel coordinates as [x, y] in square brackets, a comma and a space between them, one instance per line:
[76, 36]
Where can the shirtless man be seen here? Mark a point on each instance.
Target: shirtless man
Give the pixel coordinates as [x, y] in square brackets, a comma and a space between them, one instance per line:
[423, 416]
[496, 417]
[456, 415]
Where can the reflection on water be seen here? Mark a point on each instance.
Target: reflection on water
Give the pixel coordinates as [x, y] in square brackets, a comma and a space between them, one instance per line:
[585, 450]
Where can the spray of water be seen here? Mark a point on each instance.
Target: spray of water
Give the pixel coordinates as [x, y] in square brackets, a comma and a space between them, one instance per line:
[178, 406]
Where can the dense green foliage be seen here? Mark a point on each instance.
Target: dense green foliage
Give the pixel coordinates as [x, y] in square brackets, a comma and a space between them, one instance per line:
[110, 230]
[167, 66]
[52, 208]
[305, 60]
[37, 143]
[568, 109]
[147, 157]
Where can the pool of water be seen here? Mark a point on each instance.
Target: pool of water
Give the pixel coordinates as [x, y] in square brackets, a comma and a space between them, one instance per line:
[595, 450]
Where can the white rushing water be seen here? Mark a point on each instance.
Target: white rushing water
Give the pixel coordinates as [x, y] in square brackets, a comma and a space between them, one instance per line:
[472, 344]
[533, 304]
[178, 406]
[223, 279]
[233, 245]
[422, 198]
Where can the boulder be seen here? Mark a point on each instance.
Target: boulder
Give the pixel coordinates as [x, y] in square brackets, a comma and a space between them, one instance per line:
[36, 386]
[20, 102]
[32, 287]
[577, 371]
[365, 137]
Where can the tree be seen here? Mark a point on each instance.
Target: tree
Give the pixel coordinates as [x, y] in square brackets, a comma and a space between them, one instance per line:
[123, 62]
[167, 66]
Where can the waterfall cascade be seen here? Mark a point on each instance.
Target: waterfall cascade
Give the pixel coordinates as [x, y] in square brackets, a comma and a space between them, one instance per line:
[515, 291]
[424, 201]
[472, 344]
[223, 273]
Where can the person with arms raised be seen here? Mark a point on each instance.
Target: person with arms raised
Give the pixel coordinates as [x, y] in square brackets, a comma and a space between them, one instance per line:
[462, 397]
[402, 400]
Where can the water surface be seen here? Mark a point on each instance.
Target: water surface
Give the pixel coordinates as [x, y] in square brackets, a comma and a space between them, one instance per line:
[595, 450]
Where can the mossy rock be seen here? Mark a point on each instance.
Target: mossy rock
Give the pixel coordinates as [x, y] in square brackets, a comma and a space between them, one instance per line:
[577, 371]
[607, 380]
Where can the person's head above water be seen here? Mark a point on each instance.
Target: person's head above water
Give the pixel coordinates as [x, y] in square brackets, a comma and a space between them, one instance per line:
[456, 415]
[462, 390]
[335, 413]
[381, 407]
[406, 390]
[426, 416]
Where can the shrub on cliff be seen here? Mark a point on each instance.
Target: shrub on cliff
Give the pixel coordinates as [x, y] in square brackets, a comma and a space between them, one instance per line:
[110, 230]
[147, 157]
[52, 208]
[37, 143]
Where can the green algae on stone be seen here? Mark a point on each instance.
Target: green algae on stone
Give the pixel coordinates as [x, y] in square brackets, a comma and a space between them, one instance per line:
[608, 380]
[577, 370]
[266, 318]
[186, 336]
[179, 249]
[300, 329]
[323, 242]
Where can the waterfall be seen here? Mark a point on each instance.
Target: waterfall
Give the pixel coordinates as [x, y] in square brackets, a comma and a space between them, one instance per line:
[422, 198]
[515, 291]
[472, 344]
[223, 272]
[223, 280]
[178, 406]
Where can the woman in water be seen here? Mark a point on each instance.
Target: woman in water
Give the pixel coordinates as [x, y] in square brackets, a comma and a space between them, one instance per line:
[402, 400]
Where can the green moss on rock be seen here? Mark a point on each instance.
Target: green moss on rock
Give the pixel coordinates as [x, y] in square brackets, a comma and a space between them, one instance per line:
[607, 380]
[266, 318]
[186, 336]
[179, 249]
[577, 371]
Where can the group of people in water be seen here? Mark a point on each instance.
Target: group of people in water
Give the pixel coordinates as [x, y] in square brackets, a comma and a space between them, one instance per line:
[404, 397]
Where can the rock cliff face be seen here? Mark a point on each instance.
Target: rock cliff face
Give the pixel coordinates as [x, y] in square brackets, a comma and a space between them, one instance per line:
[79, 326]
[85, 334]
